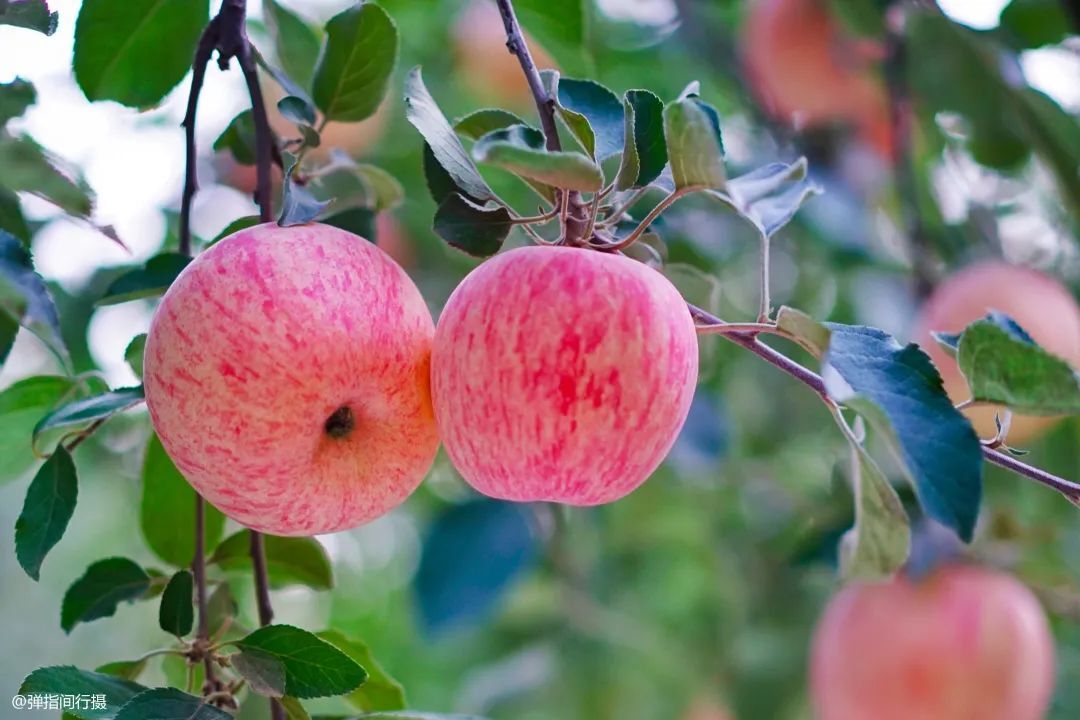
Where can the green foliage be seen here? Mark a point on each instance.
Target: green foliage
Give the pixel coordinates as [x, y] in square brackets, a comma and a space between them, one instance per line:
[694, 146]
[520, 149]
[298, 204]
[15, 97]
[380, 691]
[49, 504]
[29, 168]
[312, 667]
[560, 26]
[176, 614]
[289, 560]
[12, 220]
[21, 406]
[167, 704]
[151, 280]
[133, 354]
[297, 44]
[24, 297]
[238, 138]
[475, 229]
[356, 63]
[644, 153]
[770, 196]
[69, 680]
[167, 510]
[89, 410]
[593, 113]
[101, 589]
[264, 674]
[29, 14]
[159, 38]
[1034, 23]
[480, 122]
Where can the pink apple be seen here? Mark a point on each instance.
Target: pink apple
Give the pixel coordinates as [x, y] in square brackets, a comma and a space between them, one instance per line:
[287, 374]
[963, 644]
[562, 374]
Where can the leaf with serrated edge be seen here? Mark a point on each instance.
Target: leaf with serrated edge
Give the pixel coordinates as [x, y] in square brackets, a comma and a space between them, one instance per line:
[472, 228]
[356, 63]
[264, 673]
[50, 502]
[380, 691]
[313, 667]
[879, 543]
[69, 680]
[169, 704]
[99, 591]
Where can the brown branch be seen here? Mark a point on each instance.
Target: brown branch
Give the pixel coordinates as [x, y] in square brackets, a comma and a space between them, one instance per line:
[198, 570]
[207, 42]
[262, 582]
[749, 340]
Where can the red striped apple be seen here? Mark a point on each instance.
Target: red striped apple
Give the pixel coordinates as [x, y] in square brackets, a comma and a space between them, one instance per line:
[562, 374]
[963, 644]
[1042, 305]
[287, 374]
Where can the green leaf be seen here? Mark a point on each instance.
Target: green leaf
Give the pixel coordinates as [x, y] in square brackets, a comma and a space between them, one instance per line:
[169, 704]
[234, 227]
[11, 216]
[29, 14]
[864, 18]
[807, 332]
[176, 614]
[49, 504]
[313, 667]
[358, 220]
[380, 691]
[520, 149]
[68, 680]
[238, 138]
[644, 149]
[298, 205]
[474, 229]
[87, 410]
[133, 354]
[167, 510]
[296, 43]
[559, 26]
[29, 168]
[878, 544]
[15, 97]
[24, 297]
[289, 560]
[103, 586]
[381, 190]
[480, 122]
[221, 608]
[298, 111]
[264, 673]
[1002, 364]
[151, 280]
[354, 68]
[769, 196]
[21, 406]
[898, 390]
[136, 51]
[1034, 23]
[126, 669]
[694, 146]
[424, 114]
[293, 709]
[602, 132]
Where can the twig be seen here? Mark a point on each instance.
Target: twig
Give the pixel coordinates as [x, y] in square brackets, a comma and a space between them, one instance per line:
[262, 582]
[207, 42]
[263, 140]
[748, 340]
[198, 570]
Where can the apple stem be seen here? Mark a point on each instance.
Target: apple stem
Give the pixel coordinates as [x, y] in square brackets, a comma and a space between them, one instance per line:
[750, 341]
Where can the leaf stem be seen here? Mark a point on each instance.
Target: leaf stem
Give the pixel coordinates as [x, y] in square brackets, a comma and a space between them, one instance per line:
[198, 570]
[660, 207]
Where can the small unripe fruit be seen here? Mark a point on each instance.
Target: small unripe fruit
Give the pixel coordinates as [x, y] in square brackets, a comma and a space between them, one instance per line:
[287, 374]
[1042, 306]
[562, 374]
[963, 644]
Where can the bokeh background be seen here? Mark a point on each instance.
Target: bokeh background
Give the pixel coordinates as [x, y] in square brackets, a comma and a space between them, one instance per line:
[694, 597]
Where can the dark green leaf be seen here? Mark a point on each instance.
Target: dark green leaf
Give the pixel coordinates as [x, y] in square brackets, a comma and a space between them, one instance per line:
[313, 667]
[644, 149]
[480, 122]
[220, 609]
[21, 406]
[1035, 23]
[103, 586]
[358, 220]
[126, 669]
[520, 149]
[264, 673]
[289, 560]
[176, 614]
[136, 51]
[29, 14]
[133, 354]
[68, 680]
[167, 510]
[354, 68]
[11, 216]
[236, 226]
[15, 97]
[438, 181]
[602, 134]
[877, 546]
[49, 504]
[1003, 365]
[380, 691]
[9, 328]
[239, 138]
[151, 280]
[694, 146]
[472, 553]
[380, 190]
[424, 114]
[475, 229]
[24, 297]
[898, 390]
[169, 704]
[29, 168]
[84, 411]
[296, 43]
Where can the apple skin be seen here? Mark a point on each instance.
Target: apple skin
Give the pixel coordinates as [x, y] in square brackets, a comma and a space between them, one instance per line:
[562, 374]
[807, 72]
[256, 345]
[963, 644]
[1042, 306]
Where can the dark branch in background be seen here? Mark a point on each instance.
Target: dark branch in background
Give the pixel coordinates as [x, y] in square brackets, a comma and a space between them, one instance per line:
[904, 172]
[1072, 10]
[576, 219]
[749, 340]
[226, 34]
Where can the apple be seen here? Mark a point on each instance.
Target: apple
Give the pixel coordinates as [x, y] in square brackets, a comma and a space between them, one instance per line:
[488, 70]
[562, 374]
[1042, 306]
[287, 374]
[808, 73]
[965, 643]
